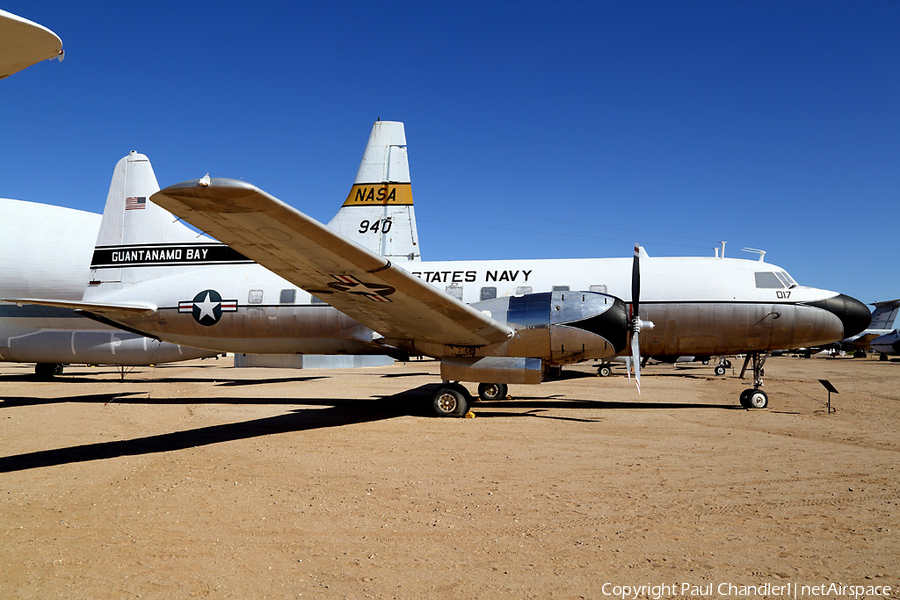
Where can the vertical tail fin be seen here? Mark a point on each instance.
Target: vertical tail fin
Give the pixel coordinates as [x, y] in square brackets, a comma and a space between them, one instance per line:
[378, 213]
[885, 314]
[135, 233]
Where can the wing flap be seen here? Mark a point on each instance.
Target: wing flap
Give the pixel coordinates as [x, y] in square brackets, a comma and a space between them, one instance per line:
[356, 281]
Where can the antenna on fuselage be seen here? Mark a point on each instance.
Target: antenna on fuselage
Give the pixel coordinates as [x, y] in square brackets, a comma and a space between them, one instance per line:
[762, 253]
[723, 250]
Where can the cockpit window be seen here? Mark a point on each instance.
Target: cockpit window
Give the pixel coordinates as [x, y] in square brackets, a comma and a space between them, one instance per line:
[787, 279]
[768, 280]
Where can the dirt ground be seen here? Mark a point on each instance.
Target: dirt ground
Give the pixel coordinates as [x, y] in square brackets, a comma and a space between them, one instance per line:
[203, 480]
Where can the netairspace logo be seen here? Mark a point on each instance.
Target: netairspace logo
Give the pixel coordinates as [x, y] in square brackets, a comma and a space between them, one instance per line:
[731, 590]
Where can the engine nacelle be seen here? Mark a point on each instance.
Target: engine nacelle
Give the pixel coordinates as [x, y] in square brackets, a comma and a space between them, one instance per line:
[551, 327]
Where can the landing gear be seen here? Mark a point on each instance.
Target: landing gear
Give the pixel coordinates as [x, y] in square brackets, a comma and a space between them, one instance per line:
[47, 370]
[723, 366]
[492, 391]
[451, 400]
[883, 357]
[755, 397]
[604, 370]
[752, 398]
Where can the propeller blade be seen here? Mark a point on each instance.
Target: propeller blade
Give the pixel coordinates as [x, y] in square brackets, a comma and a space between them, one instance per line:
[636, 315]
[636, 280]
[636, 358]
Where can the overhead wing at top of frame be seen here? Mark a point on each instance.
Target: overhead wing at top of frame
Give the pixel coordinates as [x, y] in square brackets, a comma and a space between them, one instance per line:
[24, 43]
[356, 281]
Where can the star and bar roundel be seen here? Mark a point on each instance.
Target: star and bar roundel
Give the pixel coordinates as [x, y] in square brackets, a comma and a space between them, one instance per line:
[376, 292]
[207, 307]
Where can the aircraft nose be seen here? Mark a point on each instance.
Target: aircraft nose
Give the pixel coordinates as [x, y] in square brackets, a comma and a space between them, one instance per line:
[854, 315]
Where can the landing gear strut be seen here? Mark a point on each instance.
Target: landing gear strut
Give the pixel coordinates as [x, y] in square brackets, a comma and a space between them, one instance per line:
[755, 397]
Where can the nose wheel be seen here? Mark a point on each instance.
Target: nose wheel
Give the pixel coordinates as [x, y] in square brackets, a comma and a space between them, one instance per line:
[755, 397]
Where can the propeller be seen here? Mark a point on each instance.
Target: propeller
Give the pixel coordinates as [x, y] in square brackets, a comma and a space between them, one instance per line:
[636, 323]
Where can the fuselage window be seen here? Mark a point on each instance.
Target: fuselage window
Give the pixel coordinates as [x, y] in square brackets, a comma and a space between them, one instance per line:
[315, 300]
[288, 296]
[455, 291]
[488, 293]
[255, 297]
[523, 289]
[768, 280]
[598, 288]
[560, 288]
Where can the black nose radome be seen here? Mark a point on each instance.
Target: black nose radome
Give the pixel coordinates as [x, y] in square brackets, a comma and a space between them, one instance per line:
[853, 314]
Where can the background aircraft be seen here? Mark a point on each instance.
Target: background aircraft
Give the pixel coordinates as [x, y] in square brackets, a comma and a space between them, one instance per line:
[493, 322]
[888, 344]
[883, 323]
[47, 252]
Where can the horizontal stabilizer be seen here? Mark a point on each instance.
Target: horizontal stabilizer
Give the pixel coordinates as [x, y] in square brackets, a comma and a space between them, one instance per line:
[132, 309]
[353, 279]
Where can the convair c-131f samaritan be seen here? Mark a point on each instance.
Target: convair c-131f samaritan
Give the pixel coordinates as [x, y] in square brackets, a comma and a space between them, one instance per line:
[286, 283]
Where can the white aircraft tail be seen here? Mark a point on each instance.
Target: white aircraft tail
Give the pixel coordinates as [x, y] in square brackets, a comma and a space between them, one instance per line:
[885, 314]
[137, 238]
[378, 213]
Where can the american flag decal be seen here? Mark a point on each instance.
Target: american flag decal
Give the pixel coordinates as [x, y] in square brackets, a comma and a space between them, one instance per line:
[135, 203]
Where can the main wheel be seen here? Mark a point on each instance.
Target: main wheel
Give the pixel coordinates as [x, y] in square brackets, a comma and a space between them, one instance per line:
[604, 371]
[719, 370]
[726, 363]
[492, 391]
[745, 395]
[883, 357]
[757, 399]
[450, 401]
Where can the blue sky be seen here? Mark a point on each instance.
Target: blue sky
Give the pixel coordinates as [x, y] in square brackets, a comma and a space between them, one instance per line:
[535, 130]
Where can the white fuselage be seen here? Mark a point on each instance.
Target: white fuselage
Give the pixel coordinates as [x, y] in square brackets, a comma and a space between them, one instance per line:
[698, 306]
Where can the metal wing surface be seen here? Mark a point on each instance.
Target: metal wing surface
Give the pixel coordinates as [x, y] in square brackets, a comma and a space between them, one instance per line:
[360, 283]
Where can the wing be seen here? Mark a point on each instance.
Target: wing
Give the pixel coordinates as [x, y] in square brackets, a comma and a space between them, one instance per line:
[24, 43]
[360, 283]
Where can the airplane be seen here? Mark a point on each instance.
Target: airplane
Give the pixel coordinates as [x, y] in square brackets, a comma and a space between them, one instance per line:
[48, 253]
[883, 320]
[278, 281]
[887, 345]
[24, 43]
[50, 249]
